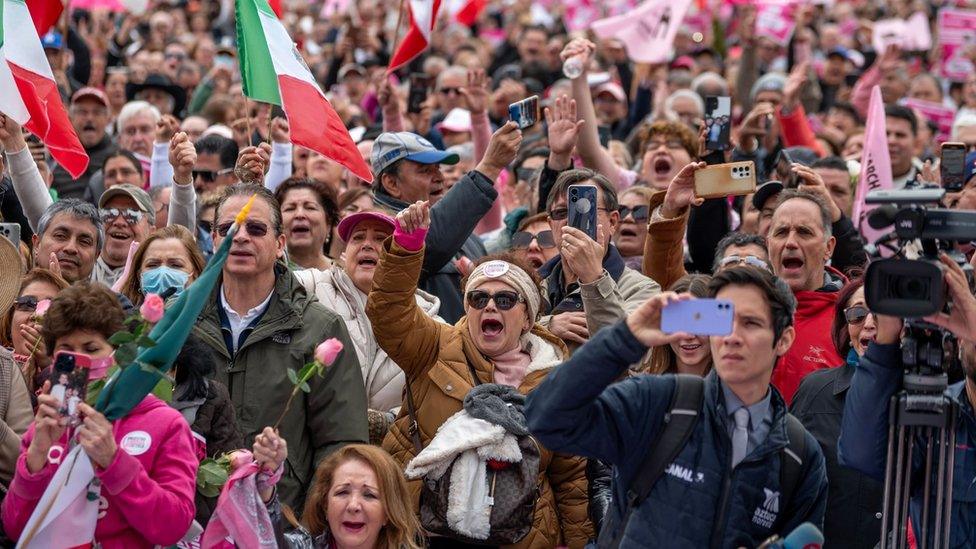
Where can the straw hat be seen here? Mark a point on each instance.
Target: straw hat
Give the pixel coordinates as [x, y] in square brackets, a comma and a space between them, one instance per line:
[9, 278]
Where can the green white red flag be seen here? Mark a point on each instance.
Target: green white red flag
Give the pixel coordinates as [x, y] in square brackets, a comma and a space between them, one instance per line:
[273, 71]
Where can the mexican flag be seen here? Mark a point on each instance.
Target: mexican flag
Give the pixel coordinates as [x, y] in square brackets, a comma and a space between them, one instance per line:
[10, 103]
[272, 71]
[37, 89]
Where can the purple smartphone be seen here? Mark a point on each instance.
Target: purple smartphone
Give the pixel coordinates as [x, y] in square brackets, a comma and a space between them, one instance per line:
[701, 316]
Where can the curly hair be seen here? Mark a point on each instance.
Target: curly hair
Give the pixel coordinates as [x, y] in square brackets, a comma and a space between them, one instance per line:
[86, 306]
[667, 129]
[402, 528]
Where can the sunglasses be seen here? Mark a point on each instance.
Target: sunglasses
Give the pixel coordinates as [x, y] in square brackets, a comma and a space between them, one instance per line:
[504, 299]
[745, 259]
[130, 216]
[209, 176]
[26, 304]
[560, 214]
[856, 314]
[253, 228]
[449, 90]
[640, 213]
[523, 239]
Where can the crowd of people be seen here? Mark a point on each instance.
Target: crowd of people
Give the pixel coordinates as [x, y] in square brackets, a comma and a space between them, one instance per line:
[489, 341]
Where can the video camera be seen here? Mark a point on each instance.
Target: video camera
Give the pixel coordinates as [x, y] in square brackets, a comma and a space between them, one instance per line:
[914, 288]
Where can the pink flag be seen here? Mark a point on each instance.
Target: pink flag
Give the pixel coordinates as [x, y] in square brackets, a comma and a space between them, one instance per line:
[775, 22]
[875, 166]
[647, 32]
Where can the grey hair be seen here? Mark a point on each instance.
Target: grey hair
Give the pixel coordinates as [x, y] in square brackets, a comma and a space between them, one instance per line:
[706, 79]
[583, 175]
[135, 108]
[79, 209]
[688, 94]
[790, 194]
[465, 151]
[964, 120]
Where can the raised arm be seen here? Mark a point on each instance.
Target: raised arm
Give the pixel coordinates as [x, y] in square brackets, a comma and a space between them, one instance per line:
[183, 200]
[664, 254]
[28, 185]
[281, 153]
[161, 174]
[475, 96]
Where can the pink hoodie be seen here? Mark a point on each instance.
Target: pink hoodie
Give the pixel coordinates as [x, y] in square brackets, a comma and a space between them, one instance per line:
[147, 491]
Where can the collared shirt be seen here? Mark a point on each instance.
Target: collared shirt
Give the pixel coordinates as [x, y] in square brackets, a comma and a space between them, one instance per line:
[104, 274]
[238, 322]
[760, 417]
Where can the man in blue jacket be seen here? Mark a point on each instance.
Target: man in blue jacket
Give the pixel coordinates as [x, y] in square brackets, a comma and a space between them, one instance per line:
[723, 488]
[864, 428]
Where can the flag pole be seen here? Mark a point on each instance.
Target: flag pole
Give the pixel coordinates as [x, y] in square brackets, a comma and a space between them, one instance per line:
[396, 31]
[65, 20]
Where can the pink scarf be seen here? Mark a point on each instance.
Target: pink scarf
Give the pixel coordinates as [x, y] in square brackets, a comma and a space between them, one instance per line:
[510, 367]
[240, 518]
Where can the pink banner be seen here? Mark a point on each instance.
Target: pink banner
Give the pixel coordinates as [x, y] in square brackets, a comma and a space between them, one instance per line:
[775, 21]
[937, 113]
[91, 5]
[912, 34]
[580, 14]
[647, 32]
[875, 166]
[957, 32]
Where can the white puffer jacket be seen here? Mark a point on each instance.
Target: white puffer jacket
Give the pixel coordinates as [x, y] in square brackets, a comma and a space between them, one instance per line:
[384, 379]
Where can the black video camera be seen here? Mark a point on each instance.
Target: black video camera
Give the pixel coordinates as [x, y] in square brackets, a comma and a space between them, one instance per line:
[914, 288]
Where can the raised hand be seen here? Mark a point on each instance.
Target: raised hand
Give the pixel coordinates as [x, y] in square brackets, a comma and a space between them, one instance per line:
[502, 149]
[681, 192]
[413, 217]
[582, 255]
[252, 163]
[564, 130]
[794, 85]
[182, 156]
[645, 321]
[166, 128]
[280, 130]
[11, 136]
[476, 92]
[811, 182]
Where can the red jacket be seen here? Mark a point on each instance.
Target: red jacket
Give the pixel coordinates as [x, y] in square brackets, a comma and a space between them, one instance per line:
[813, 348]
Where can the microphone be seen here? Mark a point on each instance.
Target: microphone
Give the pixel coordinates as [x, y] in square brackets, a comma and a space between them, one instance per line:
[804, 536]
[882, 216]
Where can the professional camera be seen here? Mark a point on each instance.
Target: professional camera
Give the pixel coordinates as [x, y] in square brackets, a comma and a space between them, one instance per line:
[914, 288]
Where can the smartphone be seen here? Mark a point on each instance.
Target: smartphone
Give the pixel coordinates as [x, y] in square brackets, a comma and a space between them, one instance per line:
[69, 383]
[701, 316]
[953, 166]
[784, 168]
[582, 208]
[525, 113]
[419, 89]
[732, 179]
[11, 231]
[718, 118]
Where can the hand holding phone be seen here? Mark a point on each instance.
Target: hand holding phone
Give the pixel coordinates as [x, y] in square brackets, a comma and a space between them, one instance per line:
[702, 316]
[525, 113]
[732, 179]
[952, 166]
[582, 208]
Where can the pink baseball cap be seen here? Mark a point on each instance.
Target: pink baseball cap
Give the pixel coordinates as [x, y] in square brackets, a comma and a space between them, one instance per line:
[89, 91]
[457, 120]
[613, 88]
[347, 225]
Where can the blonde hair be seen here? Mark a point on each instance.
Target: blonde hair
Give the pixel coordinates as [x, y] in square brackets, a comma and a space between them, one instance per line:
[402, 528]
[132, 287]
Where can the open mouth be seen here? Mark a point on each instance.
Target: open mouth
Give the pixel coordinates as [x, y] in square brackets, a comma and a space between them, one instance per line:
[354, 526]
[119, 235]
[491, 327]
[300, 229]
[662, 166]
[366, 262]
[792, 263]
[437, 193]
[240, 253]
[628, 232]
[690, 346]
[865, 341]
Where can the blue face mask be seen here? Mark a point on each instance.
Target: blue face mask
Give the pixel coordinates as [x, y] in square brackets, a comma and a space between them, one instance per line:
[160, 279]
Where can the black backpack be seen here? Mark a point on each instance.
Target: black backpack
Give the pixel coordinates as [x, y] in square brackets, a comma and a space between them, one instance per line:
[679, 423]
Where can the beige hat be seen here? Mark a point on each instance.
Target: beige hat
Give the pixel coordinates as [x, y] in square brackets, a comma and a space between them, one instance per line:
[10, 278]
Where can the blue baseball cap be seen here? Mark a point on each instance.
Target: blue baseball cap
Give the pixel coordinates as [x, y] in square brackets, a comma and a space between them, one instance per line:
[52, 40]
[392, 146]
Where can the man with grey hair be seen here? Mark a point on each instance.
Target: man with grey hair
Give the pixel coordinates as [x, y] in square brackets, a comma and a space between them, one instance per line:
[69, 238]
[137, 129]
[800, 242]
[709, 83]
[450, 81]
[964, 129]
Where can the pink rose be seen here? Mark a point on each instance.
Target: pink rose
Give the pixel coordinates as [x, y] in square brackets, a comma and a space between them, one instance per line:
[41, 308]
[327, 351]
[152, 308]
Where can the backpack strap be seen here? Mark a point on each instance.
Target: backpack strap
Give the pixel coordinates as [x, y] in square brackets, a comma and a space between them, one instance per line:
[679, 423]
[414, 428]
[792, 466]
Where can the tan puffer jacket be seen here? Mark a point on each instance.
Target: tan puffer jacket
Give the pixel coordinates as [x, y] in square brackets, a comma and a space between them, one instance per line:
[435, 357]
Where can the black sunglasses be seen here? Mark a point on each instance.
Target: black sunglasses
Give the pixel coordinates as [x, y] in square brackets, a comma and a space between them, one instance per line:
[253, 228]
[209, 176]
[504, 299]
[856, 314]
[640, 213]
[449, 90]
[26, 303]
[130, 216]
[523, 239]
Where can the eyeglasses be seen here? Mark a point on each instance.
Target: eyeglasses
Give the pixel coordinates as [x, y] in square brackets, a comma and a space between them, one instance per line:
[525, 174]
[560, 214]
[856, 314]
[26, 304]
[523, 239]
[253, 228]
[745, 259]
[209, 176]
[504, 299]
[640, 213]
[449, 90]
[130, 216]
[673, 144]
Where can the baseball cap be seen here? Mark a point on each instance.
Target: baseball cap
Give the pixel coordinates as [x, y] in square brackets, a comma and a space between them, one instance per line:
[853, 56]
[89, 91]
[683, 62]
[349, 223]
[52, 40]
[392, 146]
[135, 193]
[458, 120]
[351, 67]
[766, 191]
[613, 89]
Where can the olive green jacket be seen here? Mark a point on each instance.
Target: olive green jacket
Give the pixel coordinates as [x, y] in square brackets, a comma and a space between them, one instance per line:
[319, 422]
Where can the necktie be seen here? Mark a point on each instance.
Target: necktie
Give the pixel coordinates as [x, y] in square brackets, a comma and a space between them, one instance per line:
[740, 435]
